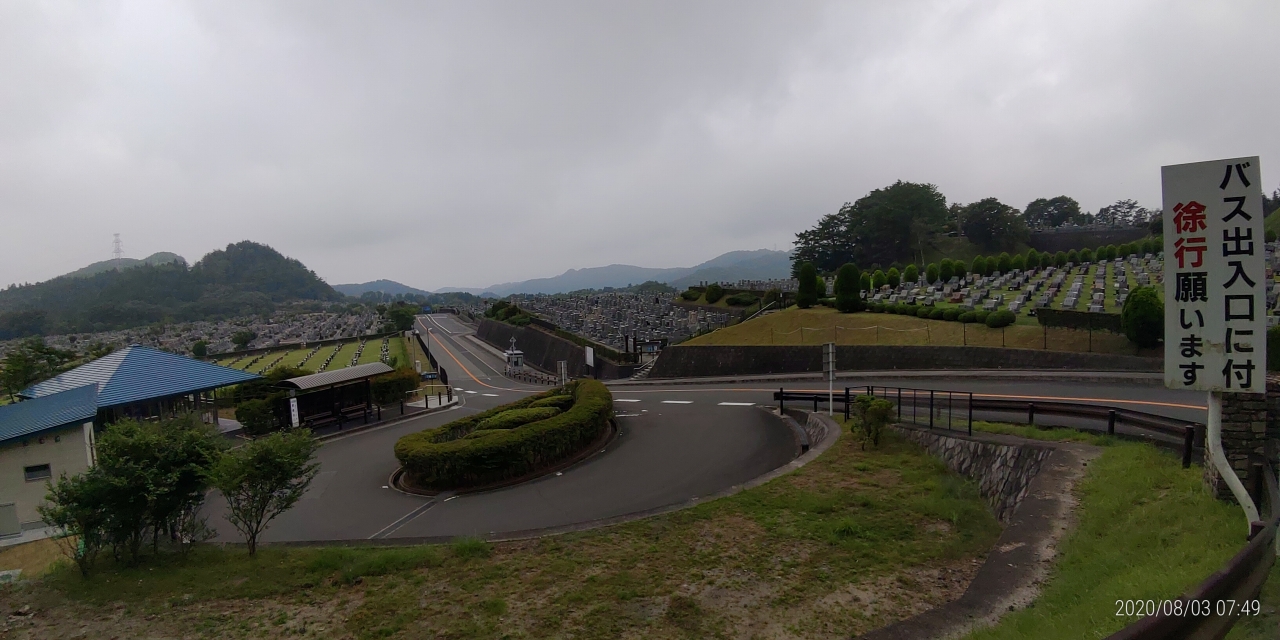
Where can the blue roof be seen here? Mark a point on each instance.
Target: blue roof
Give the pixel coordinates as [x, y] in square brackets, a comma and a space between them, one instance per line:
[54, 410]
[136, 373]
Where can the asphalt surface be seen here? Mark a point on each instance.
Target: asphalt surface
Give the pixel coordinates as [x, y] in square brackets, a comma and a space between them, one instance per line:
[675, 443]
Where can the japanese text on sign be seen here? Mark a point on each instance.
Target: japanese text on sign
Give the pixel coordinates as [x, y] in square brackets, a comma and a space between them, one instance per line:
[1215, 277]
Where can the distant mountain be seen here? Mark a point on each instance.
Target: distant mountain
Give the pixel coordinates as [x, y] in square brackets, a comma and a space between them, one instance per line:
[245, 278]
[385, 286]
[762, 264]
[120, 264]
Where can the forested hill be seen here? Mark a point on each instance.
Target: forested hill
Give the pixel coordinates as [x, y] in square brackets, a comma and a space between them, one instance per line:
[244, 278]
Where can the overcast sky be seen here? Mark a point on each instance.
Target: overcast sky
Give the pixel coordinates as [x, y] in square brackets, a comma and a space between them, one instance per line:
[468, 143]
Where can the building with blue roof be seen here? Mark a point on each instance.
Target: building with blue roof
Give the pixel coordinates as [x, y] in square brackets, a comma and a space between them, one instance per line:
[39, 440]
[51, 430]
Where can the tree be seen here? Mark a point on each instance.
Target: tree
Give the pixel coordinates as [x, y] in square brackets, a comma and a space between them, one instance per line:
[200, 349]
[242, 338]
[991, 224]
[401, 316]
[1142, 318]
[1086, 255]
[865, 281]
[1033, 259]
[1124, 213]
[1017, 263]
[979, 266]
[878, 280]
[1052, 212]
[848, 299]
[1271, 235]
[885, 225]
[1004, 263]
[263, 479]
[257, 417]
[932, 273]
[946, 270]
[1060, 259]
[894, 278]
[76, 507]
[807, 290]
[873, 415]
[1073, 257]
[392, 387]
[30, 362]
[911, 274]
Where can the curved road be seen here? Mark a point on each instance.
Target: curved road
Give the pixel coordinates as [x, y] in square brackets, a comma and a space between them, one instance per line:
[676, 442]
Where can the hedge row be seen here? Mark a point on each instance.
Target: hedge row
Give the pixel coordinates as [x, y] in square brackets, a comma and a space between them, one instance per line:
[994, 319]
[513, 418]
[446, 458]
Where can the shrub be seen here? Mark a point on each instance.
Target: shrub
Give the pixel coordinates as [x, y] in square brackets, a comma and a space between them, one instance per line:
[878, 279]
[561, 402]
[876, 307]
[981, 316]
[951, 315]
[923, 312]
[932, 273]
[865, 281]
[827, 302]
[807, 292]
[1086, 255]
[691, 295]
[946, 269]
[906, 309]
[979, 266]
[873, 415]
[513, 418]
[1032, 260]
[1003, 262]
[392, 387]
[1113, 252]
[256, 417]
[443, 458]
[1001, 318]
[714, 293]
[1271, 235]
[1073, 257]
[911, 274]
[848, 299]
[1018, 262]
[742, 299]
[1142, 318]
[1060, 259]
[967, 317]
[893, 277]
[936, 314]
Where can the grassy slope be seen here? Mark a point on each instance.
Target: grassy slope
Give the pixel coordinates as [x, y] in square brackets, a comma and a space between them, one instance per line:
[850, 542]
[1147, 529]
[819, 325]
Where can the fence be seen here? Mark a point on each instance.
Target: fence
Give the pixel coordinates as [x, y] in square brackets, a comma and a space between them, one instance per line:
[435, 366]
[955, 410]
[1210, 609]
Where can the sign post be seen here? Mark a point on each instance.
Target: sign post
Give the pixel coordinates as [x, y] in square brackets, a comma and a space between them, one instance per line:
[829, 366]
[1215, 291]
[293, 412]
[590, 356]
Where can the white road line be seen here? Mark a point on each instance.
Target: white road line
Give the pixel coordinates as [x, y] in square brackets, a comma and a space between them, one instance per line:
[488, 395]
[677, 402]
[737, 404]
[626, 400]
[470, 392]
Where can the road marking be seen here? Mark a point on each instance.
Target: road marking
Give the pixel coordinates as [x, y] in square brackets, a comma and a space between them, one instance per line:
[473, 392]
[626, 400]
[1152, 403]
[395, 526]
[737, 404]
[677, 402]
[489, 395]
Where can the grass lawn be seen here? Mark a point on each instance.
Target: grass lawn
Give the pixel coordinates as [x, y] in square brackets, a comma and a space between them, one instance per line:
[372, 352]
[343, 359]
[820, 325]
[852, 541]
[1147, 530]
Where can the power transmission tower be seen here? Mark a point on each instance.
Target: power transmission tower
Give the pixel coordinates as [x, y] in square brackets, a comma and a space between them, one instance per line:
[118, 247]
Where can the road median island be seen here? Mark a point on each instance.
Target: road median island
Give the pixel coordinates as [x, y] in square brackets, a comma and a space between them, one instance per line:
[511, 441]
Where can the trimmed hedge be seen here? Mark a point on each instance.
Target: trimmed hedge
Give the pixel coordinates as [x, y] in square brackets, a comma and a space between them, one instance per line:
[743, 299]
[1079, 319]
[513, 418]
[561, 402]
[445, 458]
[1000, 318]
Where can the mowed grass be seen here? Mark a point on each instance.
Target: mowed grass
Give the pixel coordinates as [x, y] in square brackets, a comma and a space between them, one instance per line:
[32, 558]
[1147, 530]
[821, 325]
[850, 542]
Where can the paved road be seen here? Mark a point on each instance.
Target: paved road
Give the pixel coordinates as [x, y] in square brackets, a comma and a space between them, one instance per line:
[676, 442]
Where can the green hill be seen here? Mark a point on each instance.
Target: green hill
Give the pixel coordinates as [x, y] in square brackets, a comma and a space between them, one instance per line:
[120, 264]
[245, 278]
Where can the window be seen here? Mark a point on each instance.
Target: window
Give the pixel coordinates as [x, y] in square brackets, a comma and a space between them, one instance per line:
[38, 472]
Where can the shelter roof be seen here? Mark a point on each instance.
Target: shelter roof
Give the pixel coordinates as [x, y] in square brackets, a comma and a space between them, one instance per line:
[337, 376]
[79, 404]
[137, 373]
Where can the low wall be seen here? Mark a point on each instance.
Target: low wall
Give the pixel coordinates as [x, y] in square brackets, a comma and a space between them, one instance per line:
[712, 360]
[542, 350]
[1003, 472]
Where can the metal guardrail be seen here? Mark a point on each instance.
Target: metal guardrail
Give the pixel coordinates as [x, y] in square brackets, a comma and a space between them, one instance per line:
[1207, 611]
[954, 410]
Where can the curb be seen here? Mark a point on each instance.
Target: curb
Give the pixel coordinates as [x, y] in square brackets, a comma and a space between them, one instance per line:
[391, 422]
[1130, 377]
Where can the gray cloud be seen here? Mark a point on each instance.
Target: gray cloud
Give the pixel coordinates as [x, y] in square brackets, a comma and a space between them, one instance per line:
[468, 143]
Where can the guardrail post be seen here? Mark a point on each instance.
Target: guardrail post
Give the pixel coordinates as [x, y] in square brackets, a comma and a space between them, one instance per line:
[899, 401]
[1111, 422]
[931, 408]
[1031, 414]
[846, 404]
[970, 413]
[781, 401]
[1256, 484]
[1188, 441]
[815, 404]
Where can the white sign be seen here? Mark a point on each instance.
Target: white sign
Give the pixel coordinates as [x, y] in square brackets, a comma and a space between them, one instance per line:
[591, 357]
[1215, 322]
[293, 411]
[829, 360]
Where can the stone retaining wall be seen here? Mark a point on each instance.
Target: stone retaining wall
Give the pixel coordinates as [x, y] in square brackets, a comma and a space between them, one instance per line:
[712, 360]
[542, 350]
[1250, 427]
[1003, 472]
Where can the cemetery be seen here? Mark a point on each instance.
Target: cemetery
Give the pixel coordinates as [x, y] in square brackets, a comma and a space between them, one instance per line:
[614, 318]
